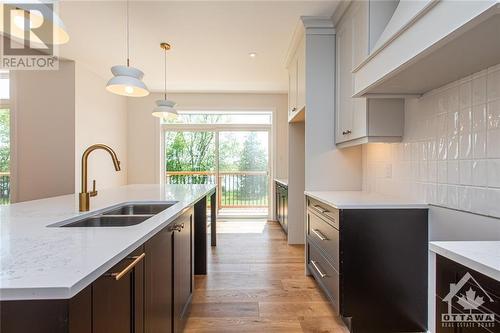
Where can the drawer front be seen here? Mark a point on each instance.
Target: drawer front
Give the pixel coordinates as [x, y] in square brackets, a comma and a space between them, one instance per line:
[329, 213]
[325, 274]
[324, 236]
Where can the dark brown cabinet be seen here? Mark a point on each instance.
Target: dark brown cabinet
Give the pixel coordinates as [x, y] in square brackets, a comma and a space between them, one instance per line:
[483, 288]
[149, 291]
[371, 264]
[118, 297]
[159, 282]
[182, 270]
[281, 192]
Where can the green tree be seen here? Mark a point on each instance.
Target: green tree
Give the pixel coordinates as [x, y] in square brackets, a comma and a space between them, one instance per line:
[4, 140]
[253, 158]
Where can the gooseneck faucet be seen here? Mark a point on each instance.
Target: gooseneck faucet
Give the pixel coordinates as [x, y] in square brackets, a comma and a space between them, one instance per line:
[84, 197]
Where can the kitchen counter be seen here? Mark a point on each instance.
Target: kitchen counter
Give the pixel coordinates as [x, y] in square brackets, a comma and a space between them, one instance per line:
[41, 262]
[363, 200]
[282, 181]
[481, 256]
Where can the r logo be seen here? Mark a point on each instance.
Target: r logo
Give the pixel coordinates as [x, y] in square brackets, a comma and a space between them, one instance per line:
[28, 29]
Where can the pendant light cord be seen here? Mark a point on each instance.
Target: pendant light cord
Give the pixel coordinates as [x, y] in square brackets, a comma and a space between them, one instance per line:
[165, 82]
[128, 36]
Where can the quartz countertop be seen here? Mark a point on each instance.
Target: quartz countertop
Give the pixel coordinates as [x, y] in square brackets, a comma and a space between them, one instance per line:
[282, 181]
[481, 256]
[363, 200]
[41, 262]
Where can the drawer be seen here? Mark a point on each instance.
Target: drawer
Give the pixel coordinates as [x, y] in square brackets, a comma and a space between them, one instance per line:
[330, 213]
[324, 236]
[326, 276]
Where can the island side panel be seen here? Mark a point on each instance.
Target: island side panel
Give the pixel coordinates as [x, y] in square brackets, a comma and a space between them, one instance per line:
[200, 237]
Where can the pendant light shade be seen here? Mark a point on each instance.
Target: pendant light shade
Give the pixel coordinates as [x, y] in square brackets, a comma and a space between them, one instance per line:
[25, 17]
[165, 107]
[126, 80]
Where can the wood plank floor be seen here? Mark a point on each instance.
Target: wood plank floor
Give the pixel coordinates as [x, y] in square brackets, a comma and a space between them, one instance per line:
[256, 283]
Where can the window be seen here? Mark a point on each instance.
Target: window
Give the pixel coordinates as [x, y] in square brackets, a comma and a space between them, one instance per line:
[4, 138]
[221, 117]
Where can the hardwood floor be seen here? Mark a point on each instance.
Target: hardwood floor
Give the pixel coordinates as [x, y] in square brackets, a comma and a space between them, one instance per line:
[256, 283]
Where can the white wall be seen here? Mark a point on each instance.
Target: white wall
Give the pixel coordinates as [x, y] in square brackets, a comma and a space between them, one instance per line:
[44, 125]
[450, 154]
[143, 129]
[100, 117]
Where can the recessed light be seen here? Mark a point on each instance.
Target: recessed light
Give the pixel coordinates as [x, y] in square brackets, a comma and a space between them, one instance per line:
[252, 54]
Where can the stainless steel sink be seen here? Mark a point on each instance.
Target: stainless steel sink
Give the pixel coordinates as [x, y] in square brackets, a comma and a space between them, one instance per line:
[121, 216]
[109, 221]
[139, 209]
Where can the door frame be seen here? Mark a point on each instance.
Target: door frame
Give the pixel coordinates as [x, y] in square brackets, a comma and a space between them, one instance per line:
[217, 128]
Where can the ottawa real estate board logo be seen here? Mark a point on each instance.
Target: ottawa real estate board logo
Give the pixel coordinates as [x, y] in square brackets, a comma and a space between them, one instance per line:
[27, 36]
[468, 305]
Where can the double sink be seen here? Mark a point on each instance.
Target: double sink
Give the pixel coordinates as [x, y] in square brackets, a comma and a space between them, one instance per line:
[121, 216]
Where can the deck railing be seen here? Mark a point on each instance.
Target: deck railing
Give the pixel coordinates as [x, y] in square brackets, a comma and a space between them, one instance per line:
[4, 187]
[237, 189]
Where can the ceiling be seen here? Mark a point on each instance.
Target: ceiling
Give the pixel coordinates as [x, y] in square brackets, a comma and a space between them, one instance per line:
[210, 40]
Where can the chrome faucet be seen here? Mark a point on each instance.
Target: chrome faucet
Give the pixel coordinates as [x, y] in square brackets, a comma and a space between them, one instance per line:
[84, 197]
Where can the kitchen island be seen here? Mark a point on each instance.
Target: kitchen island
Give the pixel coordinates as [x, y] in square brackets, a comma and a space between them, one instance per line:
[45, 265]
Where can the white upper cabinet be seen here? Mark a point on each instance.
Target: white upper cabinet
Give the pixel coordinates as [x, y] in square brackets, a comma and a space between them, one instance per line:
[360, 120]
[297, 84]
[427, 44]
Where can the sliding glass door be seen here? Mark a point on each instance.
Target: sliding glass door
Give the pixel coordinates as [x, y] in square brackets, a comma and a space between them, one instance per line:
[234, 157]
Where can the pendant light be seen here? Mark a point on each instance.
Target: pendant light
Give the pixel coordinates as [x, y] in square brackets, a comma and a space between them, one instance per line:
[164, 107]
[32, 15]
[126, 80]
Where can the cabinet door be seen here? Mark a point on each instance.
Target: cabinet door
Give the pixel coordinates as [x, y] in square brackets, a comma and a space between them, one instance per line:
[158, 275]
[292, 86]
[285, 209]
[183, 284]
[344, 108]
[360, 14]
[118, 295]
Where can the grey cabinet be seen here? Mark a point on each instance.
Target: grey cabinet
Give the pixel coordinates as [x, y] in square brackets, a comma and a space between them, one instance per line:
[371, 265]
[281, 192]
[361, 120]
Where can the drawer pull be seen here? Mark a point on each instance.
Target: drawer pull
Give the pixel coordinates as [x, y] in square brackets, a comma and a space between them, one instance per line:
[321, 209]
[323, 275]
[119, 275]
[319, 234]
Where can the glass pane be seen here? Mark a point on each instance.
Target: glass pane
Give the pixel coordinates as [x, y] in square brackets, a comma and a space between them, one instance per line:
[4, 156]
[220, 117]
[190, 157]
[243, 175]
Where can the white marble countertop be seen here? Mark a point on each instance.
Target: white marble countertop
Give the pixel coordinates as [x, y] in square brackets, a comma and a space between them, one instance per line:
[481, 256]
[282, 181]
[40, 262]
[363, 200]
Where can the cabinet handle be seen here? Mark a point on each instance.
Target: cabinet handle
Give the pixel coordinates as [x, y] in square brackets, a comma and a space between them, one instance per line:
[119, 275]
[346, 132]
[321, 209]
[177, 227]
[319, 234]
[294, 109]
[323, 275]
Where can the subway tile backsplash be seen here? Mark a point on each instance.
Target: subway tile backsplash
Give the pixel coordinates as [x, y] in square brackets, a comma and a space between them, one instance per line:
[450, 154]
